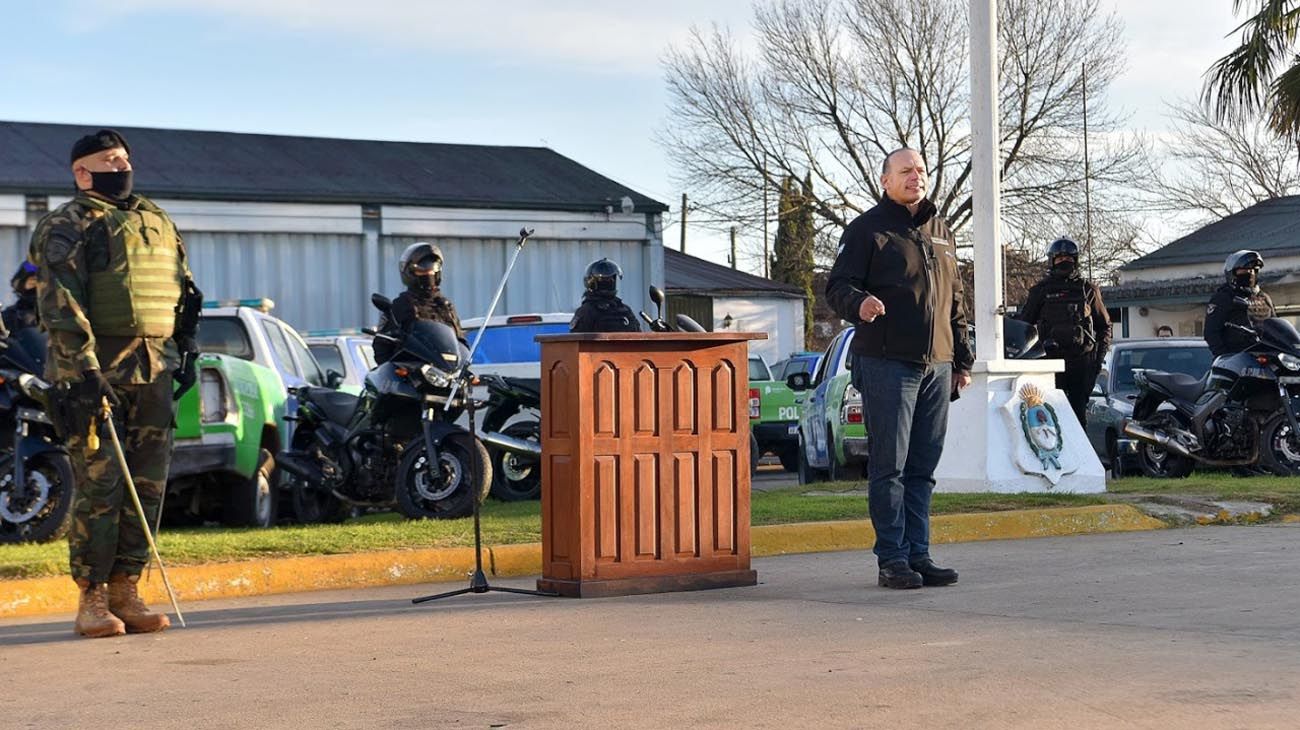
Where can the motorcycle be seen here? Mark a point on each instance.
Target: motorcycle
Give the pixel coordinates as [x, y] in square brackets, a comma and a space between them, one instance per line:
[397, 443]
[515, 448]
[37, 483]
[1243, 413]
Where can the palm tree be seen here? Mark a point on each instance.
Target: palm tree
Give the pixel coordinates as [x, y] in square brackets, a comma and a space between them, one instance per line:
[1262, 75]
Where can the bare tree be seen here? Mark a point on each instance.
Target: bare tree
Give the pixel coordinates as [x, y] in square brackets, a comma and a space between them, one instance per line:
[834, 85]
[1221, 167]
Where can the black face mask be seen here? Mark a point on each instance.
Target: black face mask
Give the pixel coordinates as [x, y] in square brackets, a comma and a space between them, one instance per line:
[112, 185]
[1064, 269]
[1246, 281]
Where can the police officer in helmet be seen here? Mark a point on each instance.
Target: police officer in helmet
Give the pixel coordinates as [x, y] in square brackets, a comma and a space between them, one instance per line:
[420, 267]
[1072, 321]
[23, 312]
[601, 309]
[1238, 301]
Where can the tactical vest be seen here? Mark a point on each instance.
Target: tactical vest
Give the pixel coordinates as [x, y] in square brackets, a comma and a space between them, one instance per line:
[606, 314]
[135, 271]
[1067, 317]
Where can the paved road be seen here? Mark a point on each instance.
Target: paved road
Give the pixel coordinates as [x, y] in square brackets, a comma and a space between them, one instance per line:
[1172, 629]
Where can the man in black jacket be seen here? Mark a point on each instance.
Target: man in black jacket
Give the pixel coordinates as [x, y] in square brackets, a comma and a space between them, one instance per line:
[22, 313]
[1072, 321]
[896, 279]
[1238, 302]
[602, 310]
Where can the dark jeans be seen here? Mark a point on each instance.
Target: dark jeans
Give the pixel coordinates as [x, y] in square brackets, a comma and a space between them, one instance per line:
[906, 407]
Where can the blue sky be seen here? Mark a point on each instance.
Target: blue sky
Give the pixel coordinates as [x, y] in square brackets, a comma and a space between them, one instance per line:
[578, 76]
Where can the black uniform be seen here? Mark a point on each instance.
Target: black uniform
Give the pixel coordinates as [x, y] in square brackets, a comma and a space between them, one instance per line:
[22, 313]
[1224, 309]
[1074, 325]
[603, 312]
[410, 306]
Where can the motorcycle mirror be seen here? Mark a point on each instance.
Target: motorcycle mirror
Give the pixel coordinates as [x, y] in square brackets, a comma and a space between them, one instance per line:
[657, 295]
[381, 302]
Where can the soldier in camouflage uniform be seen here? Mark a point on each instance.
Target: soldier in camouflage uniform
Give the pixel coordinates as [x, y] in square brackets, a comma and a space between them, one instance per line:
[116, 295]
[421, 268]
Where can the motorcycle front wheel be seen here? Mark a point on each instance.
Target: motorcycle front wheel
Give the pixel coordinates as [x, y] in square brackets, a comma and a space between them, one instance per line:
[44, 514]
[1279, 447]
[445, 491]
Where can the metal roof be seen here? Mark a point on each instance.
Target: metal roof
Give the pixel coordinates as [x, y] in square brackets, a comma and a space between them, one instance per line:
[686, 274]
[1270, 226]
[1192, 289]
[265, 167]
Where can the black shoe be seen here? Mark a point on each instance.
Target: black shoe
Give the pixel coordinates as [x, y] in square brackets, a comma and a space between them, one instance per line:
[898, 575]
[933, 575]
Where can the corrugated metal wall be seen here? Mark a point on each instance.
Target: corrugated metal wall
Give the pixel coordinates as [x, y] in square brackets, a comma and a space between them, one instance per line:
[314, 278]
[547, 277]
[13, 250]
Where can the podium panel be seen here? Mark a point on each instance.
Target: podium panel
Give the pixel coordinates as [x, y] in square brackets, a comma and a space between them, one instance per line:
[645, 462]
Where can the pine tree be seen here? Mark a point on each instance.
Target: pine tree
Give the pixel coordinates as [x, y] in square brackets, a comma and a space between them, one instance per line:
[792, 252]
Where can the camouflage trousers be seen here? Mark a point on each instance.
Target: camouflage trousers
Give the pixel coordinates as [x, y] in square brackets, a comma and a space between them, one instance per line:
[106, 537]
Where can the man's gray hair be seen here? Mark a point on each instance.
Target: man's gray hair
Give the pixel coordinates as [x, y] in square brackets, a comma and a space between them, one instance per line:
[884, 166]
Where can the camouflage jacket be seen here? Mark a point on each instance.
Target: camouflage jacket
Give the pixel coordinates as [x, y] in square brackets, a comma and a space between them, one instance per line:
[58, 249]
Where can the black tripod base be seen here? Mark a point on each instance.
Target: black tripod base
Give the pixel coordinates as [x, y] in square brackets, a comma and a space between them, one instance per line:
[478, 583]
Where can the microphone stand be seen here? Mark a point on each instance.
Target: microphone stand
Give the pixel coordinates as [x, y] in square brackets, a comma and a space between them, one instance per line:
[478, 582]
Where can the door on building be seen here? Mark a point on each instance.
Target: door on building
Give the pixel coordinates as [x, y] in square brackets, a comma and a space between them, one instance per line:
[698, 308]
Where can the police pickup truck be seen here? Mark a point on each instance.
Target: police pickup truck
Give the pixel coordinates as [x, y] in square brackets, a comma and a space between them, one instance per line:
[230, 427]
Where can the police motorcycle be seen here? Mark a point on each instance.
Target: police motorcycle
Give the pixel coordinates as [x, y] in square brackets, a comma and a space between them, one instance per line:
[1242, 413]
[36, 483]
[396, 444]
[513, 430]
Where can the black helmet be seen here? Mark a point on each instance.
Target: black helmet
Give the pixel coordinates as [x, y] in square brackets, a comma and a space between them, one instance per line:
[25, 269]
[1242, 259]
[421, 266]
[1062, 247]
[602, 277]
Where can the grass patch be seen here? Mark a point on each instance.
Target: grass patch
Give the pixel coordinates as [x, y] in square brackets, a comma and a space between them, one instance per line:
[1282, 492]
[521, 522]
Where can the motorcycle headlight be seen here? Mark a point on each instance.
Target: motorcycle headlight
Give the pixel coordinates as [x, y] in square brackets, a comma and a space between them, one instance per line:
[435, 377]
[1290, 362]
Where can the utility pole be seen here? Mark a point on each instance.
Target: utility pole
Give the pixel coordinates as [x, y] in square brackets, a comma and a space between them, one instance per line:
[733, 247]
[1087, 176]
[683, 245]
[766, 274]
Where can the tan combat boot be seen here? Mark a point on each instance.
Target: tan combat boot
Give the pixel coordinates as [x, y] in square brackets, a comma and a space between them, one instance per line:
[93, 617]
[124, 601]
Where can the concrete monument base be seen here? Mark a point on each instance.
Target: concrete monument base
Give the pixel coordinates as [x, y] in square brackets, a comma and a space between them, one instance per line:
[988, 450]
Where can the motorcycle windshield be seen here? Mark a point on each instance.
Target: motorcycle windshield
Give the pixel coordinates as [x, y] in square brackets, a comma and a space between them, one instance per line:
[1279, 332]
[26, 350]
[434, 343]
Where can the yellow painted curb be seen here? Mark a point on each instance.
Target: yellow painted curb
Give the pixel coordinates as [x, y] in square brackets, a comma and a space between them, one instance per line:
[808, 537]
[1290, 519]
[35, 596]
[253, 578]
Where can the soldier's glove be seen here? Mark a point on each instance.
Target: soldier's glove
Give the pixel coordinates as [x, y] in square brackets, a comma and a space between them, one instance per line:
[187, 374]
[92, 391]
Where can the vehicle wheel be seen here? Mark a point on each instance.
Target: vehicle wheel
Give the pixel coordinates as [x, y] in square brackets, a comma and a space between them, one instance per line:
[1159, 463]
[251, 502]
[755, 455]
[1279, 448]
[807, 474]
[445, 493]
[314, 506]
[1114, 462]
[789, 458]
[44, 514]
[516, 477]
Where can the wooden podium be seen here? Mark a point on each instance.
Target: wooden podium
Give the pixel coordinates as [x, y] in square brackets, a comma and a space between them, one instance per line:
[645, 462]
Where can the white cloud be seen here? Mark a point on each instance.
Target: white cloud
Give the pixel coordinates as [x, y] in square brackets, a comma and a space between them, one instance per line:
[617, 36]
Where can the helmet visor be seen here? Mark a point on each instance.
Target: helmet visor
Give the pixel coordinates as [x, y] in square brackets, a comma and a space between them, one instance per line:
[426, 265]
